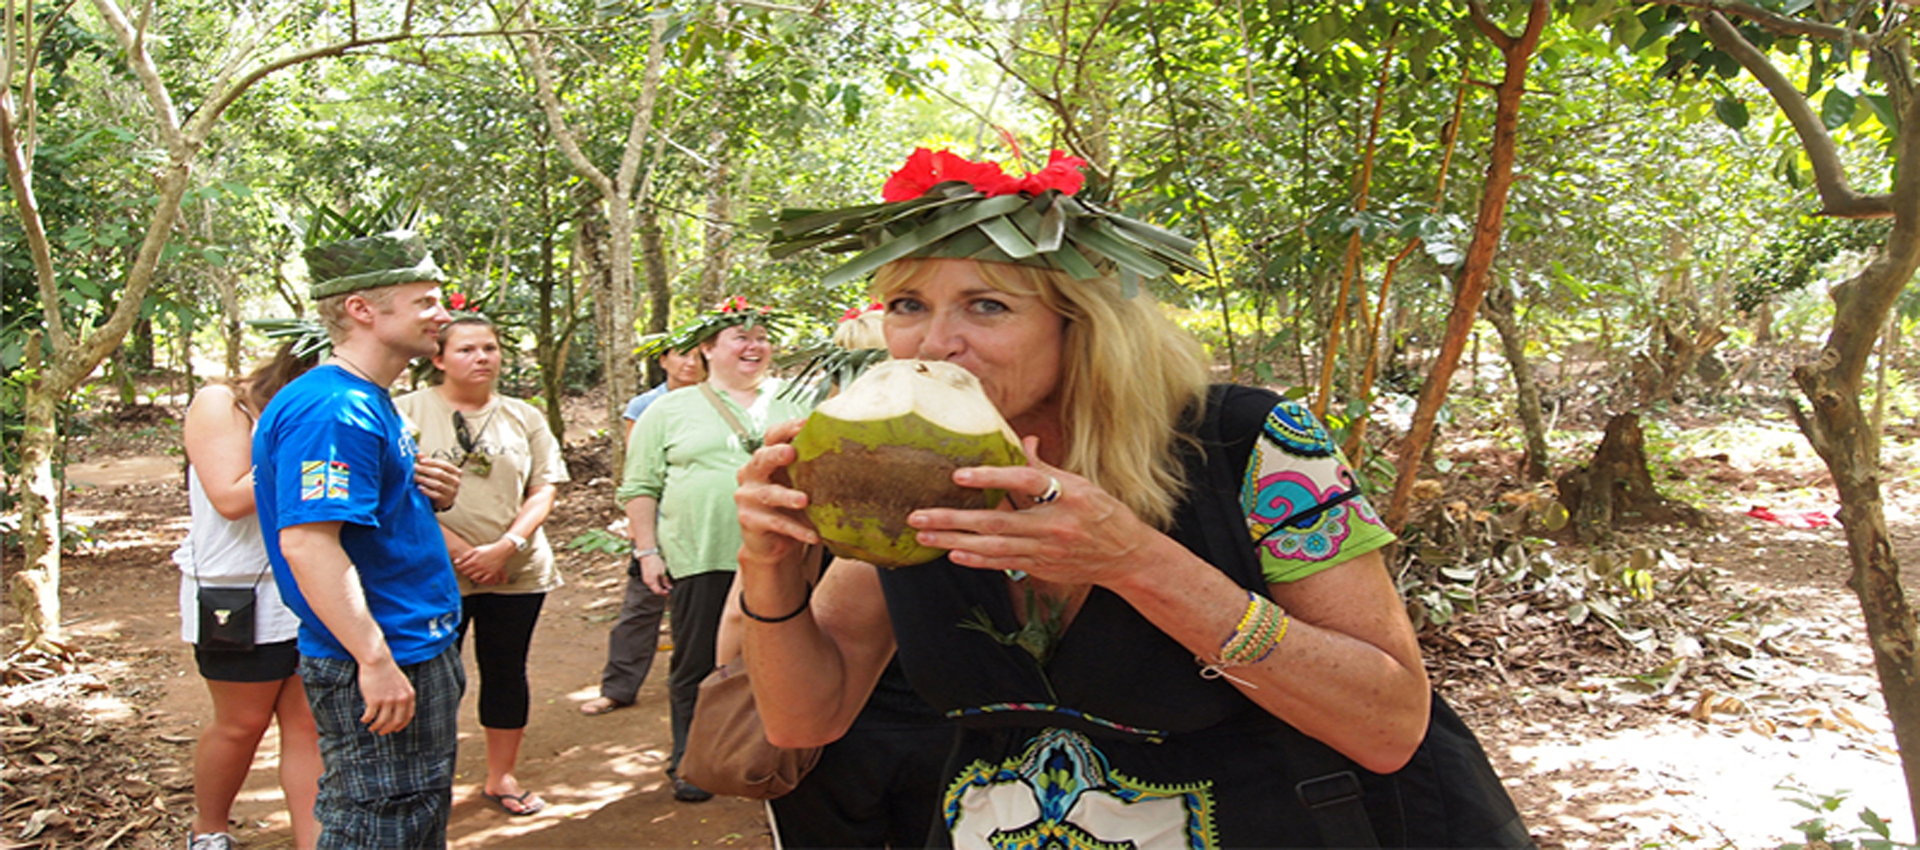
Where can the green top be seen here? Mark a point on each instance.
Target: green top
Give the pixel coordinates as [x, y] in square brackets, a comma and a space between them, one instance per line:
[685, 455]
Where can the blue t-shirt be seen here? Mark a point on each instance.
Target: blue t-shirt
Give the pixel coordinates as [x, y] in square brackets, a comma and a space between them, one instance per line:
[638, 404]
[331, 447]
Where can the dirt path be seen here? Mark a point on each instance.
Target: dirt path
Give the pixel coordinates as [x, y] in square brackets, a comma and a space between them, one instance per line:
[1597, 759]
[602, 777]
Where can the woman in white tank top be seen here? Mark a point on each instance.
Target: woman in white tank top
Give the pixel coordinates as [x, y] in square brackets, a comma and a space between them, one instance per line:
[250, 688]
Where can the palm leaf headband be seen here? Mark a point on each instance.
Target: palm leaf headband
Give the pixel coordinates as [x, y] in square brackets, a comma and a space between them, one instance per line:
[731, 312]
[307, 335]
[940, 204]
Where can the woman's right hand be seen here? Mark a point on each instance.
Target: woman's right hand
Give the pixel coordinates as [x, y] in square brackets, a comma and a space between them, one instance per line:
[773, 522]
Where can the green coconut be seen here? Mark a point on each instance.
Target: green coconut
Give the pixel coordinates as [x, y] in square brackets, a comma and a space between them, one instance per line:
[887, 446]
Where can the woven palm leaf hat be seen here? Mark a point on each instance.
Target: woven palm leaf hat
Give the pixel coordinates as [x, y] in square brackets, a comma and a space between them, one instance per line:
[366, 246]
[940, 204]
[382, 259]
[732, 312]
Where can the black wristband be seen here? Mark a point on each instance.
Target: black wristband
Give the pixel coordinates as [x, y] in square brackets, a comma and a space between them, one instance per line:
[804, 602]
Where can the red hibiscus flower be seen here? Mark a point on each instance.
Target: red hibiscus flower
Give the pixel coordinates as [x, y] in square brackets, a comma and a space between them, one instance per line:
[735, 304]
[855, 312]
[456, 301]
[1062, 172]
[926, 169]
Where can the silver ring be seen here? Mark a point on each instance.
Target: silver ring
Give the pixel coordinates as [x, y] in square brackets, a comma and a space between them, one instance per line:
[1053, 491]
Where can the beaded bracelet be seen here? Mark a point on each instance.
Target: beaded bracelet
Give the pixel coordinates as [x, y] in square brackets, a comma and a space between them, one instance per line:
[1260, 630]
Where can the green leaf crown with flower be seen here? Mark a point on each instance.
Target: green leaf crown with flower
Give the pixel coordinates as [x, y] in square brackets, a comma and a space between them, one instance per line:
[733, 312]
[940, 204]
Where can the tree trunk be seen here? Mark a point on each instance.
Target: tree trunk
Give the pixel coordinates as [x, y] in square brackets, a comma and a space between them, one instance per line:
[1681, 350]
[653, 257]
[1527, 392]
[550, 347]
[1472, 285]
[36, 582]
[1837, 427]
[617, 199]
[1763, 323]
[1842, 433]
[717, 237]
[233, 330]
[1614, 488]
[68, 358]
[617, 350]
[1350, 264]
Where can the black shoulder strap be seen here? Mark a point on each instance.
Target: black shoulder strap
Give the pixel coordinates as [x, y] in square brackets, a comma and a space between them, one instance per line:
[1328, 783]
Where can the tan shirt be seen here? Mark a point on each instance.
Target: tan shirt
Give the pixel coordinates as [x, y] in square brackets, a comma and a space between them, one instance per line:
[514, 437]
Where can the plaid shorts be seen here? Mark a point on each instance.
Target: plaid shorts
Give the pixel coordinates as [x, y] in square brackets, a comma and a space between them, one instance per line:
[385, 791]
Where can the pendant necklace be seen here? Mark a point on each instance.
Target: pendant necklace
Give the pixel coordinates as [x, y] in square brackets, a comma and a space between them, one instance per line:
[355, 367]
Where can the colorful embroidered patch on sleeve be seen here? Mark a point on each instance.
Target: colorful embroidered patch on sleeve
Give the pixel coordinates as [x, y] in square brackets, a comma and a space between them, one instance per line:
[321, 479]
[1304, 508]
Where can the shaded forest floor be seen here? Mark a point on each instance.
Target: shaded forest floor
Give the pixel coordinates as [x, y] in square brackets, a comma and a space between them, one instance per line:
[1692, 711]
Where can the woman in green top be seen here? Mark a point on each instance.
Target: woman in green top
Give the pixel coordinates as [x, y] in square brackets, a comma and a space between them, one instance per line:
[677, 489]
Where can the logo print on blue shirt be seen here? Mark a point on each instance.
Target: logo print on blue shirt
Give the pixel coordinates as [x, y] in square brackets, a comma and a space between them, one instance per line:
[320, 479]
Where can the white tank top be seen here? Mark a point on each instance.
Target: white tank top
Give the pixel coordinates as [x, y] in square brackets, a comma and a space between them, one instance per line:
[228, 553]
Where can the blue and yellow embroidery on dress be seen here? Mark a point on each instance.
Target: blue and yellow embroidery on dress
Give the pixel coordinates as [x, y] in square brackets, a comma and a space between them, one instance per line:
[1293, 427]
[1060, 794]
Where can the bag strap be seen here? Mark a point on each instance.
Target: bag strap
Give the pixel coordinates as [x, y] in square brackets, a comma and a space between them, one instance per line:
[196, 561]
[1332, 790]
[751, 442]
[240, 404]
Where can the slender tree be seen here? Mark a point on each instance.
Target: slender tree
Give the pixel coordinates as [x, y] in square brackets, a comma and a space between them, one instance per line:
[1840, 430]
[61, 359]
[1471, 284]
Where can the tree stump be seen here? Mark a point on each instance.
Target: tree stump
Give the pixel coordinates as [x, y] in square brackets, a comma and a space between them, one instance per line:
[1614, 489]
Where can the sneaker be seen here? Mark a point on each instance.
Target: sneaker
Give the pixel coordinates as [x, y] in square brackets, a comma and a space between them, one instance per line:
[687, 792]
[211, 841]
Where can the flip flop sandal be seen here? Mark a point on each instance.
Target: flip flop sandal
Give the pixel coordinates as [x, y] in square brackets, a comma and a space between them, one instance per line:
[601, 705]
[520, 799]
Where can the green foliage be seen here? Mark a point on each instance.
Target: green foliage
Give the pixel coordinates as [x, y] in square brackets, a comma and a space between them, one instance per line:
[600, 540]
[1873, 832]
[1791, 259]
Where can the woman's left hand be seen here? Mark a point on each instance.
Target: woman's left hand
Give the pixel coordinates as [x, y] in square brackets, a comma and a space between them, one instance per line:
[438, 479]
[1060, 526]
[485, 564]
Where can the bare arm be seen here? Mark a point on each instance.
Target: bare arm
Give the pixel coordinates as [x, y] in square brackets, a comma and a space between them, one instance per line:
[331, 586]
[812, 674]
[1347, 672]
[219, 441]
[643, 530]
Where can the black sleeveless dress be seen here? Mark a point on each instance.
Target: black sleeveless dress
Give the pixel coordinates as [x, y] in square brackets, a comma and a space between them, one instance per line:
[1118, 741]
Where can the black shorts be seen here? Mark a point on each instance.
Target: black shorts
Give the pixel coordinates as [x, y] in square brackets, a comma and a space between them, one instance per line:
[267, 662]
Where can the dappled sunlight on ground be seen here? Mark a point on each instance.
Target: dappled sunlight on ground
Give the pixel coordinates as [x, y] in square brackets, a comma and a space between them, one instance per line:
[1714, 785]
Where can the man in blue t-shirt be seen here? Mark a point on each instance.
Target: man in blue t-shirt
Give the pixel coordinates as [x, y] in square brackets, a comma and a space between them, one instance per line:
[347, 510]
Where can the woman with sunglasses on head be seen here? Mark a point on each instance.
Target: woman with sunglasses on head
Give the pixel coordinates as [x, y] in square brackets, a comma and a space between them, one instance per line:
[510, 465]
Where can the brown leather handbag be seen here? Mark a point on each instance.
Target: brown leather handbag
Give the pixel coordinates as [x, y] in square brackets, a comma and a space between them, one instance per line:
[727, 749]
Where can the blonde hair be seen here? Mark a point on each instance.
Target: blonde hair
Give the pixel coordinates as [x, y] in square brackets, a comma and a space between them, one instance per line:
[862, 331]
[333, 309]
[1131, 380]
